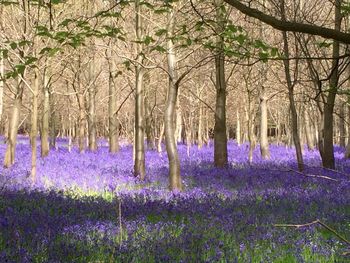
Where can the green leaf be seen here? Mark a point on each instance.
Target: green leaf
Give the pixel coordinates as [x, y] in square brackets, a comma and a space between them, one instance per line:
[20, 68]
[4, 53]
[30, 60]
[264, 56]
[13, 45]
[161, 32]
[148, 39]
[159, 49]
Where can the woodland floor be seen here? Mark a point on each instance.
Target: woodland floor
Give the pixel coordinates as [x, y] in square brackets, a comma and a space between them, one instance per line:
[89, 208]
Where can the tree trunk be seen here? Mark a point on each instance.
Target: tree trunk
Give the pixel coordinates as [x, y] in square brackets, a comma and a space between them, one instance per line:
[327, 148]
[139, 164]
[264, 142]
[1, 87]
[308, 132]
[220, 138]
[113, 125]
[160, 139]
[179, 124]
[238, 129]
[170, 108]
[34, 125]
[13, 127]
[81, 123]
[200, 121]
[92, 114]
[148, 126]
[290, 86]
[45, 119]
[342, 125]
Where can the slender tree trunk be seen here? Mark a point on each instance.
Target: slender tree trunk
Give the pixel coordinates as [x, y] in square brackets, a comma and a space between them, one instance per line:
[169, 115]
[290, 86]
[148, 126]
[113, 129]
[327, 149]
[200, 121]
[34, 125]
[139, 164]
[81, 123]
[179, 124]
[160, 139]
[45, 119]
[220, 138]
[1, 86]
[92, 115]
[342, 125]
[347, 152]
[264, 143]
[2, 70]
[238, 128]
[308, 132]
[53, 124]
[13, 126]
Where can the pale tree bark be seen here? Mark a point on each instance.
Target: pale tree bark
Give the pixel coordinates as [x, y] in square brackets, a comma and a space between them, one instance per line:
[342, 125]
[2, 70]
[200, 120]
[13, 126]
[34, 125]
[170, 142]
[113, 125]
[149, 129]
[45, 117]
[9, 159]
[308, 131]
[160, 139]
[220, 139]
[92, 108]
[53, 124]
[179, 124]
[238, 128]
[81, 123]
[290, 86]
[264, 142]
[139, 144]
[1, 87]
[326, 145]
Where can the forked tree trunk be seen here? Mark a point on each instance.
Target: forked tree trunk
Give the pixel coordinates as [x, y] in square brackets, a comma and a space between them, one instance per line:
[169, 115]
[220, 138]
[13, 127]
[264, 143]
[139, 144]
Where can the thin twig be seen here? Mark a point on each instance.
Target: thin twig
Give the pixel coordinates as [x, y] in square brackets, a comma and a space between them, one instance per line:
[317, 221]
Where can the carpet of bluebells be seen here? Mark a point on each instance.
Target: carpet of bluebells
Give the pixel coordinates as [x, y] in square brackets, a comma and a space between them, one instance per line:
[90, 208]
